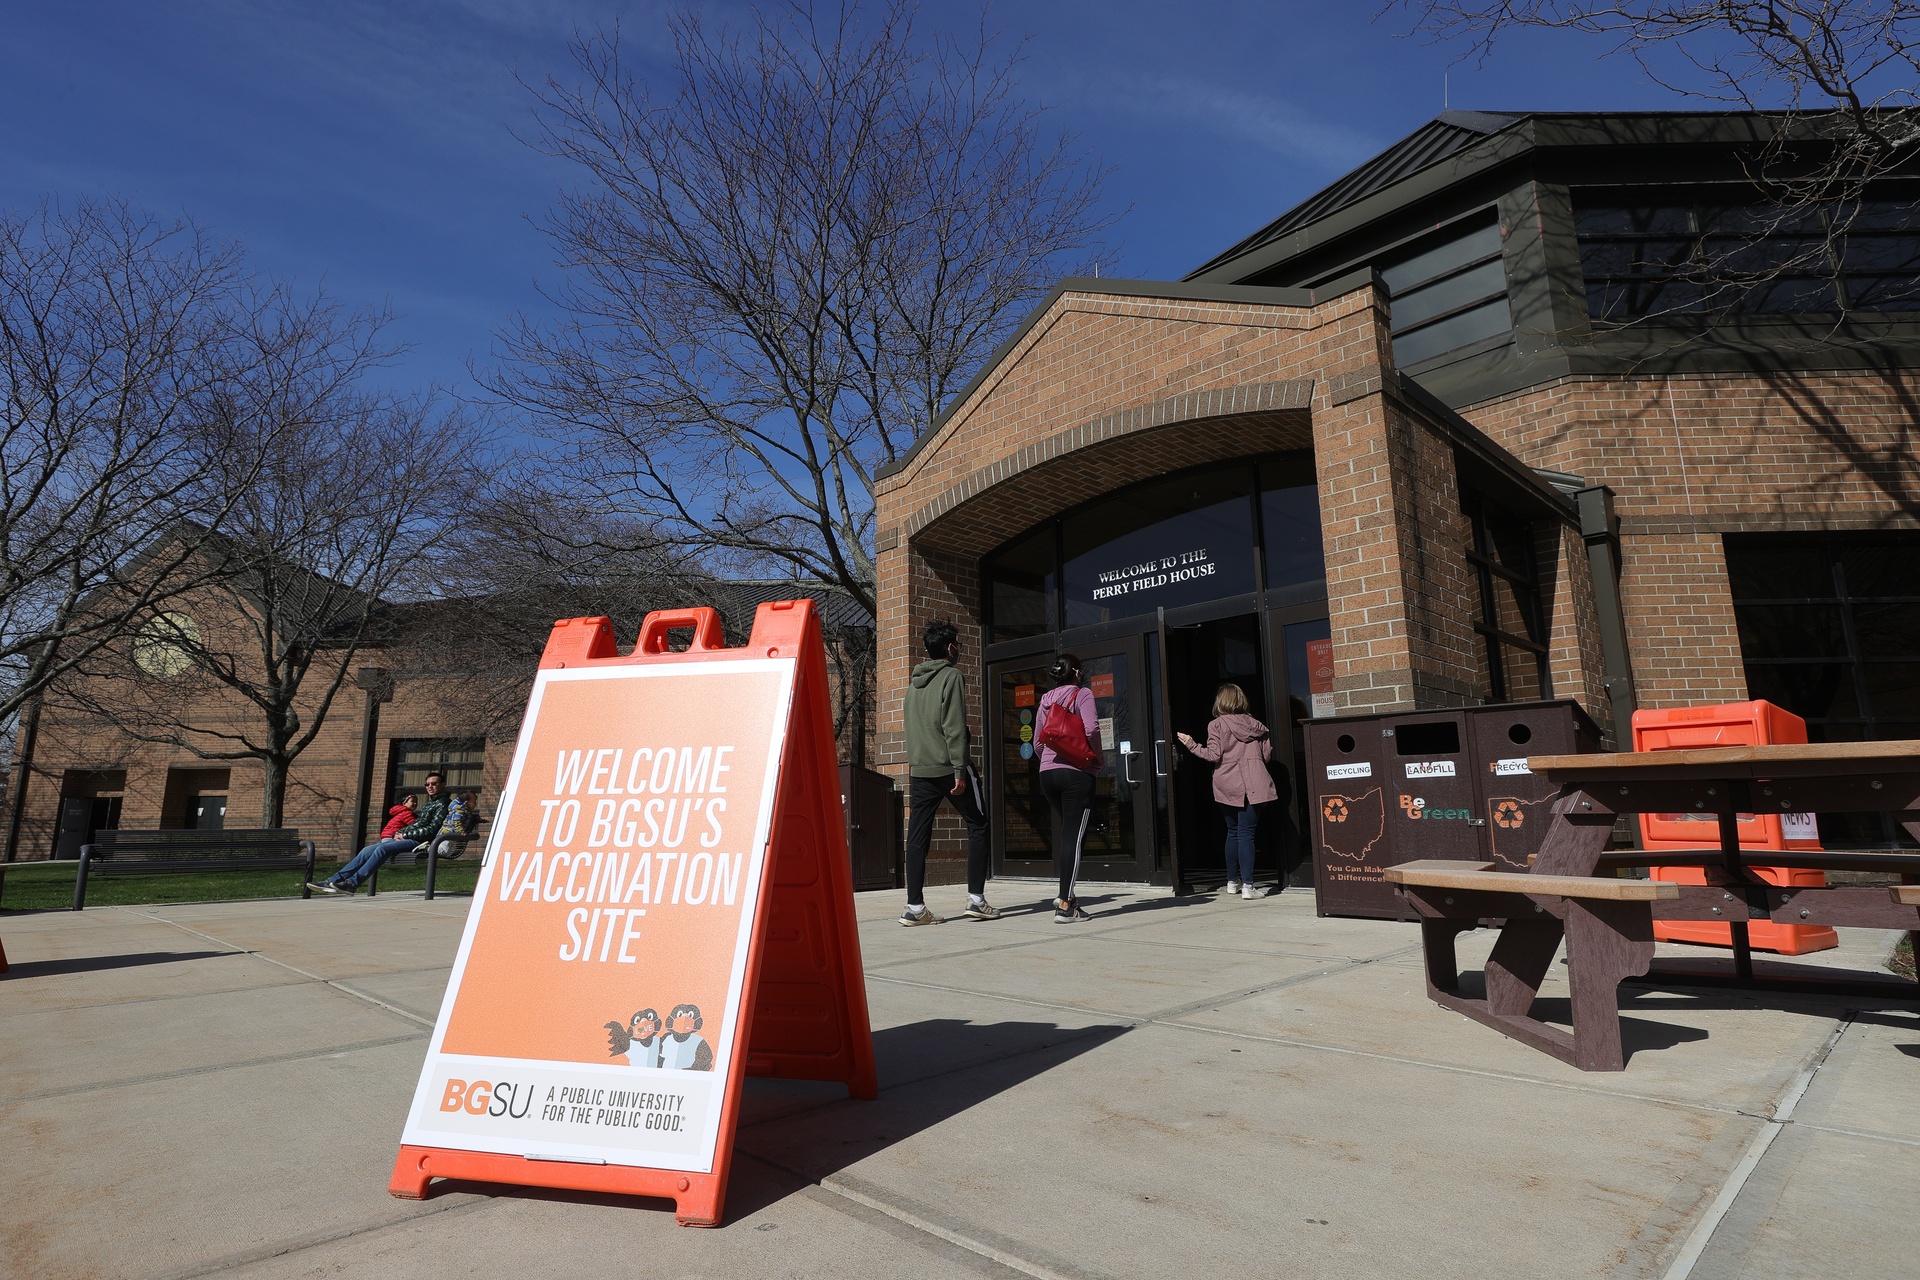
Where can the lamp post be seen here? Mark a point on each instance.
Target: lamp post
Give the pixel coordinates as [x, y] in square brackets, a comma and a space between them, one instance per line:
[378, 683]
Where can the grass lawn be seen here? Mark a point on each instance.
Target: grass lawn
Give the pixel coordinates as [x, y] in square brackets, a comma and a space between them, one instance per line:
[1902, 962]
[37, 887]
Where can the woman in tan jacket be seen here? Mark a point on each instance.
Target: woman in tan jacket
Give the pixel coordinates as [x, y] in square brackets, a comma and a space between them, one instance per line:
[1238, 746]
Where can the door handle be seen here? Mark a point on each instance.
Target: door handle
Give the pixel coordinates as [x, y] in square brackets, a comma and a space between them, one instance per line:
[1127, 758]
[1159, 757]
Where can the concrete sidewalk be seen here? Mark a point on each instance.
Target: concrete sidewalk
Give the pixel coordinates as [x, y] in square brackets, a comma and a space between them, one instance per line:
[1180, 1087]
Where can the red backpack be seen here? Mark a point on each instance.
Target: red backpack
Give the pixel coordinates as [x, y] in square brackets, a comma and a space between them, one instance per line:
[1065, 734]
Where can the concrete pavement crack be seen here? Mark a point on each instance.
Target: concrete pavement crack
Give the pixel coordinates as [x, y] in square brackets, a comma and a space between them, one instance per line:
[1210, 1002]
[456, 1202]
[318, 1052]
[1171, 1018]
[1701, 1237]
[330, 983]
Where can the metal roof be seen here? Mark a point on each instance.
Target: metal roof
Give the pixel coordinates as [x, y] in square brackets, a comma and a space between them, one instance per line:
[1449, 133]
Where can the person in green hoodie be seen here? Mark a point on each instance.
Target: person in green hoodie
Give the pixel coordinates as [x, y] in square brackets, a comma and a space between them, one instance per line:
[940, 763]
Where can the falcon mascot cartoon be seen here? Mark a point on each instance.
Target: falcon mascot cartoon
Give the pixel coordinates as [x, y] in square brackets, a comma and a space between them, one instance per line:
[639, 1039]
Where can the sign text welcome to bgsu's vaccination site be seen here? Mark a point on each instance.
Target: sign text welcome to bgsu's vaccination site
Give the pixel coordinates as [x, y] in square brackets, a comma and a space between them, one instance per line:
[594, 1004]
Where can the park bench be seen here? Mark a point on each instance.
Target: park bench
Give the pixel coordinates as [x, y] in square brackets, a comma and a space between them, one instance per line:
[145, 853]
[1606, 922]
[441, 846]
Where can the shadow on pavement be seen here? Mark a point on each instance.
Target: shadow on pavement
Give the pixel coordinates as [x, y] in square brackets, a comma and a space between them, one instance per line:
[793, 1133]
[930, 1072]
[1092, 904]
[89, 964]
[1636, 1034]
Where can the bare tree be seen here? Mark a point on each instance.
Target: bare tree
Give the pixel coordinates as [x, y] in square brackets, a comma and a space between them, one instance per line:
[350, 496]
[523, 556]
[527, 555]
[120, 335]
[1840, 80]
[785, 258]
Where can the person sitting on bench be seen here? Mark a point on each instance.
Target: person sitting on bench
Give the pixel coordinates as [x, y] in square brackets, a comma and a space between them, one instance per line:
[401, 815]
[433, 811]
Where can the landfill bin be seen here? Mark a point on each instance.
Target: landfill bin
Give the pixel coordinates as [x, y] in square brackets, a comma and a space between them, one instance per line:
[873, 826]
[1450, 783]
[1734, 724]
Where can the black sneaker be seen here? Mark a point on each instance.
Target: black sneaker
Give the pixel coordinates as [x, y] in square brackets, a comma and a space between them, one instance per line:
[911, 917]
[981, 910]
[323, 887]
[1069, 914]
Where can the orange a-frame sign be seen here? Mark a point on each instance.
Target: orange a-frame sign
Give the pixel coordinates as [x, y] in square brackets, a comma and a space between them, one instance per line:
[667, 870]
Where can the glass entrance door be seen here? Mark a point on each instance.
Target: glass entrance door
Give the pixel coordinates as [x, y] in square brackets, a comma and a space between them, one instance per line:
[1119, 843]
[1200, 658]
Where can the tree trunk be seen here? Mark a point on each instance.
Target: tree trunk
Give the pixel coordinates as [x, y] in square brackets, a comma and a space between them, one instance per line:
[274, 802]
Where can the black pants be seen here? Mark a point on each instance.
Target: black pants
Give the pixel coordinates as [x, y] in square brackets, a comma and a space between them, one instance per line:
[925, 796]
[1070, 792]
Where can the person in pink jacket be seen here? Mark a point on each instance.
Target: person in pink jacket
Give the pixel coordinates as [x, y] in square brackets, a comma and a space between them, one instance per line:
[1238, 747]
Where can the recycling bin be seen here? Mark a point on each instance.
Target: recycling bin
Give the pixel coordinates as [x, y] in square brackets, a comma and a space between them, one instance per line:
[1447, 783]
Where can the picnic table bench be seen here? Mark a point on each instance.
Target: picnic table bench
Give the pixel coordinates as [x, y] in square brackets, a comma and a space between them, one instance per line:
[145, 853]
[1607, 922]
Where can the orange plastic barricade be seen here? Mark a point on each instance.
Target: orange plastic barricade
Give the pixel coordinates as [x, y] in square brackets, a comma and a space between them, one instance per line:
[667, 869]
[1734, 724]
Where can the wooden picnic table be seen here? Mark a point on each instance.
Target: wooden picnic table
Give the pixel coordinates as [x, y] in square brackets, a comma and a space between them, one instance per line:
[1606, 922]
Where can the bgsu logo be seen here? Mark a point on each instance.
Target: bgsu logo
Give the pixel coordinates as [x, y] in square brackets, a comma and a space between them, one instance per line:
[484, 1098]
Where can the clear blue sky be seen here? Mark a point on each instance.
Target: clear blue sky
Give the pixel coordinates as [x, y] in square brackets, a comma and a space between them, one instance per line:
[371, 146]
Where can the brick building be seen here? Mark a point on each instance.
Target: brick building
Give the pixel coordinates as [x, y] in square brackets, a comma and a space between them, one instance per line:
[1527, 406]
[448, 680]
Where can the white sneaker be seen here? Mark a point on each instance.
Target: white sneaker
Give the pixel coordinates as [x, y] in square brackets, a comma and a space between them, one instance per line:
[1233, 886]
[1248, 893]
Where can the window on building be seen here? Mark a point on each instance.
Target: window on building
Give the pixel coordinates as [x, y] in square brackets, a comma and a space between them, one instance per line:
[462, 760]
[1184, 540]
[1449, 295]
[1170, 544]
[1296, 562]
[1020, 584]
[1830, 630]
[1647, 254]
[1512, 624]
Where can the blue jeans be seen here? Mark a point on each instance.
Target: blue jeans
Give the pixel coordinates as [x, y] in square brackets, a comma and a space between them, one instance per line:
[367, 861]
[1241, 823]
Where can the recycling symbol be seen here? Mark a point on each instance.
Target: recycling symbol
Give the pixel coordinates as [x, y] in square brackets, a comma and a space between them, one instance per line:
[1334, 809]
[1508, 815]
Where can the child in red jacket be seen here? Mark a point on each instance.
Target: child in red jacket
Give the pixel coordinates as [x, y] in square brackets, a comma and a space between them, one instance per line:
[397, 817]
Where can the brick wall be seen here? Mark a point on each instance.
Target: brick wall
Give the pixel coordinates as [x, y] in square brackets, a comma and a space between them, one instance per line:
[1106, 390]
[1693, 457]
[321, 786]
[323, 783]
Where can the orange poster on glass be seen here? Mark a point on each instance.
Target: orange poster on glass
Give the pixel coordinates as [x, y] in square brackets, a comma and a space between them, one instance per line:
[595, 1012]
